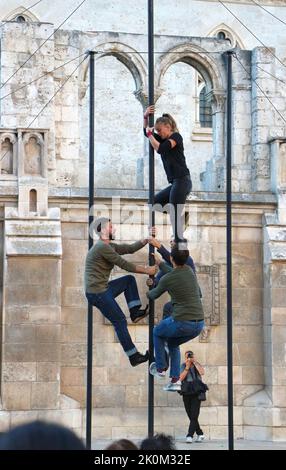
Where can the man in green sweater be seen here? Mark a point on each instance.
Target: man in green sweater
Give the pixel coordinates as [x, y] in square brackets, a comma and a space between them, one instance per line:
[101, 292]
[186, 320]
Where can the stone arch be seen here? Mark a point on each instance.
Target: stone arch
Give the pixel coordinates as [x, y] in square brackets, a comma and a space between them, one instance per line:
[8, 158]
[211, 68]
[34, 152]
[199, 60]
[22, 11]
[229, 33]
[127, 56]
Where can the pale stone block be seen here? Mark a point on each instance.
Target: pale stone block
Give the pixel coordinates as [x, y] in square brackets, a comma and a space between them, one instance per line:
[44, 314]
[109, 350]
[33, 295]
[216, 355]
[136, 396]
[67, 403]
[48, 372]
[257, 433]
[278, 297]
[16, 315]
[279, 395]
[253, 352]
[74, 355]
[222, 375]
[173, 399]
[278, 375]
[107, 395]
[74, 250]
[19, 371]
[127, 376]
[77, 316]
[222, 415]
[19, 352]
[160, 397]
[69, 418]
[279, 434]
[33, 272]
[257, 416]
[19, 334]
[73, 273]
[211, 375]
[74, 231]
[48, 352]
[247, 334]
[77, 393]
[253, 375]
[279, 416]
[241, 392]
[22, 417]
[209, 415]
[74, 297]
[48, 333]
[16, 395]
[132, 432]
[73, 376]
[45, 395]
[101, 432]
[218, 432]
[4, 421]
[75, 333]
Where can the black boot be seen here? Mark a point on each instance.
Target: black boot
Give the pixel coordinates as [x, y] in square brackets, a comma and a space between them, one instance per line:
[137, 315]
[138, 358]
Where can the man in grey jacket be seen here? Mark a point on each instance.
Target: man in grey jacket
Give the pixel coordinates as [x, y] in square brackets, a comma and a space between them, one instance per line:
[101, 292]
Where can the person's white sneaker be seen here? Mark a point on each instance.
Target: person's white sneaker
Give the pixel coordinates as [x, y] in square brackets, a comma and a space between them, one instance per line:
[173, 386]
[200, 438]
[189, 439]
[153, 371]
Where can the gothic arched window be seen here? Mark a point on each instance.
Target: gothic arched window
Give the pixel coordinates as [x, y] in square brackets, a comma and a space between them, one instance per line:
[205, 109]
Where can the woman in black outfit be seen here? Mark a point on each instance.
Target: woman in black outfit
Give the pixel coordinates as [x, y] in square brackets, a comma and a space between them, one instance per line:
[192, 371]
[168, 142]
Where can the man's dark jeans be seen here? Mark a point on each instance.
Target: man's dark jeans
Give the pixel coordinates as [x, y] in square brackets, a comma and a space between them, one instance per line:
[106, 303]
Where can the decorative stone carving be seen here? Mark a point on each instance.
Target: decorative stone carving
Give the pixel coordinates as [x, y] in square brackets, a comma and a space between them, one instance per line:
[208, 277]
[8, 153]
[33, 144]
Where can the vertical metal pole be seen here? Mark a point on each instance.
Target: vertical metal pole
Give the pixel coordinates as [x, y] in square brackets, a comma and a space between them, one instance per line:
[90, 243]
[151, 202]
[229, 250]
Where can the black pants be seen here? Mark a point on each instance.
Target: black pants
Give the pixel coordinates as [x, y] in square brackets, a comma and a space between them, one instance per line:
[175, 195]
[192, 406]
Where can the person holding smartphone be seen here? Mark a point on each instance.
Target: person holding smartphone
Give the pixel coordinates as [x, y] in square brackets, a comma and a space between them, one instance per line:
[191, 371]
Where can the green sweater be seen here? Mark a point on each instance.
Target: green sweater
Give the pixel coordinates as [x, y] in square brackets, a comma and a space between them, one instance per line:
[101, 259]
[182, 285]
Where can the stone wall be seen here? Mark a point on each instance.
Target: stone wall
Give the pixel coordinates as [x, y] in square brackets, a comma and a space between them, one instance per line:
[116, 385]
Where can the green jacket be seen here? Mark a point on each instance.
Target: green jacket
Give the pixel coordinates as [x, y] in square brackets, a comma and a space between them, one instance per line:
[182, 285]
[101, 259]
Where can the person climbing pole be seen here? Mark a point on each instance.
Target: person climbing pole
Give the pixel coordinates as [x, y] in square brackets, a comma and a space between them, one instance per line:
[168, 142]
[101, 292]
[186, 319]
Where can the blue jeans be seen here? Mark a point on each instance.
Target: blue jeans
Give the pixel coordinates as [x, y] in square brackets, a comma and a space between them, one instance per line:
[106, 303]
[173, 332]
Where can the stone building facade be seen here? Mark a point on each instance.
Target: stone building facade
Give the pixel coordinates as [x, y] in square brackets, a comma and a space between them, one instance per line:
[43, 194]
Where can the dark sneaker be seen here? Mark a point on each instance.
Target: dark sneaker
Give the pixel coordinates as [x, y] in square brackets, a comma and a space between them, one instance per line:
[137, 316]
[138, 358]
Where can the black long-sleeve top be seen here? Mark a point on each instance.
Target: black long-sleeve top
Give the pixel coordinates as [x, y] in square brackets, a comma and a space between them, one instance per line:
[173, 159]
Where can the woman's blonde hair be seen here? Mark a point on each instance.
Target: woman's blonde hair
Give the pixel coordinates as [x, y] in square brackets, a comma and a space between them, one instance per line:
[167, 119]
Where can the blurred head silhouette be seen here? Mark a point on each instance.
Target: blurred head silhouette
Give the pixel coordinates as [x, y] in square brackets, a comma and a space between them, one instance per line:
[39, 435]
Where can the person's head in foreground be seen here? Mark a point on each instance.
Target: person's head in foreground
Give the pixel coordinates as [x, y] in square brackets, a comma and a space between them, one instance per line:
[158, 442]
[39, 435]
